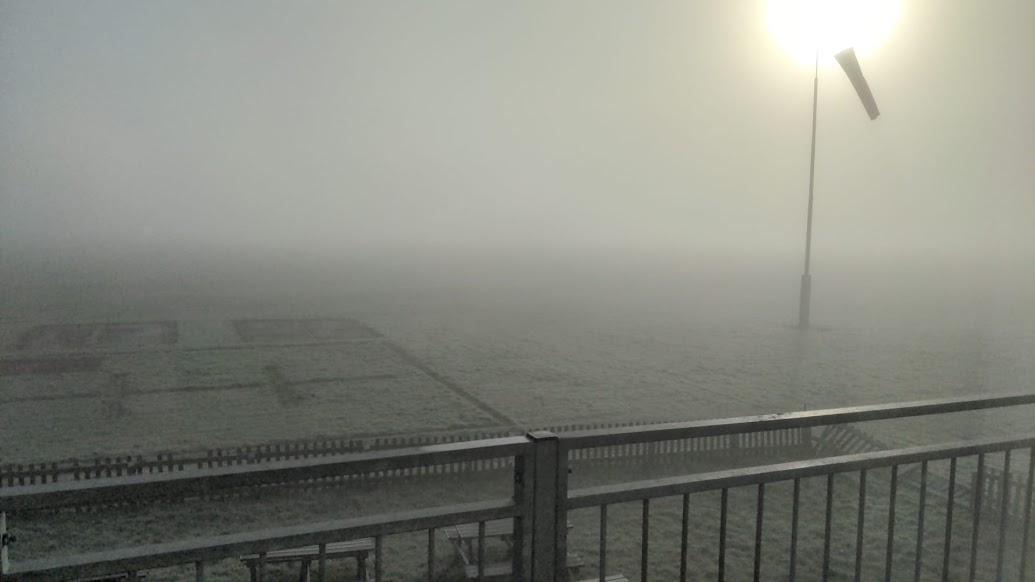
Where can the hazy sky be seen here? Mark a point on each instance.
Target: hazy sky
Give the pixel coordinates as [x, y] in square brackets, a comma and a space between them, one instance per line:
[597, 123]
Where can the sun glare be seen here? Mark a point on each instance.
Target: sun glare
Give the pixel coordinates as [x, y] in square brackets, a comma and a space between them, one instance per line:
[802, 27]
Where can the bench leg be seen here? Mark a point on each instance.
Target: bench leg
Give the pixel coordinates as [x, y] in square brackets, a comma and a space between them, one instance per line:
[253, 572]
[303, 572]
[361, 568]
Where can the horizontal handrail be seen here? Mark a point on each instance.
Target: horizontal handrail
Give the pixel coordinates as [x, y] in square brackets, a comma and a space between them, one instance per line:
[715, 480]
[234, 545]
[764, 422]
[208, 481]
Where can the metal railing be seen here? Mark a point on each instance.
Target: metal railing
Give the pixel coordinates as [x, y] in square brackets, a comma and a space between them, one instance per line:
[723, 481]
[759, 476]
[541, 499]
[212, 481]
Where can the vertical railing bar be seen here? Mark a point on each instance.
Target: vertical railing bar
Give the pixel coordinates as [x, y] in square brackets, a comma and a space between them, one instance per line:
[431, 554]
[199, 571]
[722, 533]
[1027, 514]
[795, 498]
[760, 510]
[321, 564]
[645, 525]
[828, 522]
[859, 525]
[379, 562]
[892, 497]
[920, 522]
[1003, 515]
[976, 529]
[603, 542]
[950, 504]
[481, 549]
[684, 537]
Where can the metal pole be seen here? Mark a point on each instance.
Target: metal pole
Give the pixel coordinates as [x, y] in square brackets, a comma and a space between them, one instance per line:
[805, 298]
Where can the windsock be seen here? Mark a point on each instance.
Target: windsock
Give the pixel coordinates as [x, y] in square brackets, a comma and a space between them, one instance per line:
[850, 64]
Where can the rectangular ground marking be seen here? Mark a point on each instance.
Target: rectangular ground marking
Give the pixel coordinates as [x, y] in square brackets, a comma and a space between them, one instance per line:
[302, 330]
[87, 336]
[340, 329]
[49, 365]
[57, 337]
[284, 389]
[133, 335]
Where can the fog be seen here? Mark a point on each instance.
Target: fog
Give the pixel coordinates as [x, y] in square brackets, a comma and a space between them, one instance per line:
[602, 148]
[333, 226]
[465, 124]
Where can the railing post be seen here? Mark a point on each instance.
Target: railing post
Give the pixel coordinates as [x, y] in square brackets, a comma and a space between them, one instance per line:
[523, 467]
[561, 515]
[549, 488]
[5, 565]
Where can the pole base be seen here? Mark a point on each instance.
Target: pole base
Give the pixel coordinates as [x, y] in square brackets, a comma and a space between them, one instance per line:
[804, 301]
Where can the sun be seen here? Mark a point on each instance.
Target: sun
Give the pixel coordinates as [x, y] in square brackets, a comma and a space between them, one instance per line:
[802, 27]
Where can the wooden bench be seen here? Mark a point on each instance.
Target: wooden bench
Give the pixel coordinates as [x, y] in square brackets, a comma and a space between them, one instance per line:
[467, 533]
[464, 538]
[358, 549]
[609, 578]
[498, 570]
[503, 569]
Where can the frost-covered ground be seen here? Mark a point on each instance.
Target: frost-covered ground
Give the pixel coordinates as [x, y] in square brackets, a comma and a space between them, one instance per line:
[175, 398]
[476, 344]
[534, 373]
